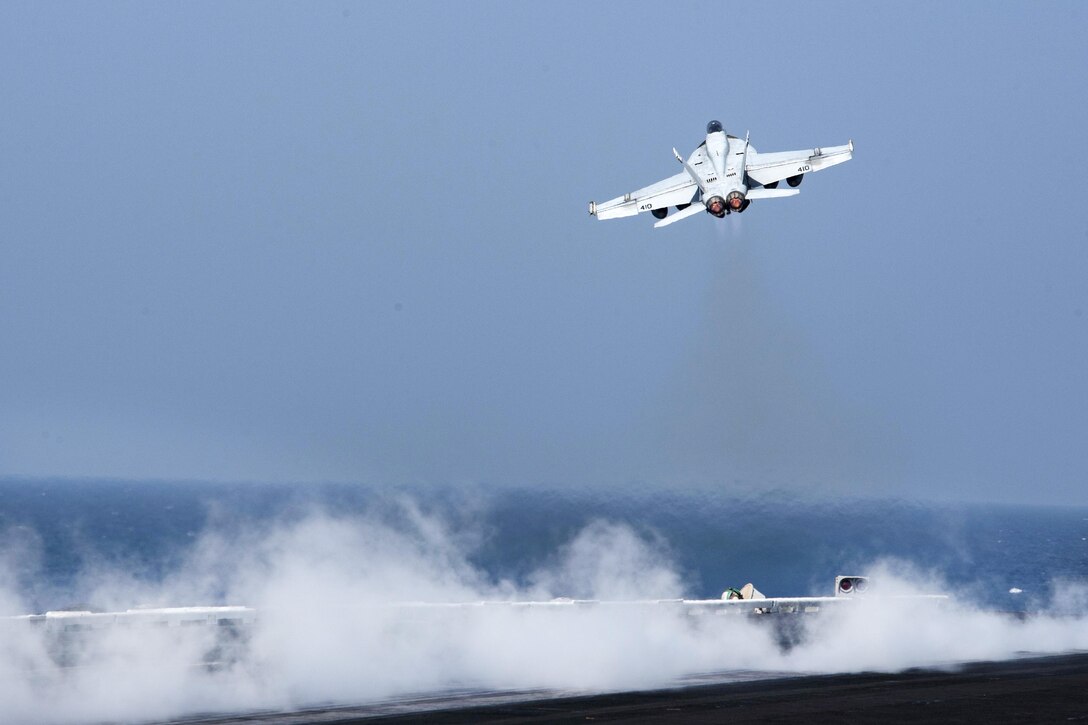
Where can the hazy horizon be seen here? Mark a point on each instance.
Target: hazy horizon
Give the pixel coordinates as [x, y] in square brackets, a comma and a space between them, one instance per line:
[343, 242]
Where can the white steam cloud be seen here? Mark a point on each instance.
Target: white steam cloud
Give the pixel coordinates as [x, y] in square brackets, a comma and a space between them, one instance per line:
[325, 633]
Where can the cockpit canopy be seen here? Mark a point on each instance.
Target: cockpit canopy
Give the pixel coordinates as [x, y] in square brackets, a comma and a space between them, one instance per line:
[714, 127]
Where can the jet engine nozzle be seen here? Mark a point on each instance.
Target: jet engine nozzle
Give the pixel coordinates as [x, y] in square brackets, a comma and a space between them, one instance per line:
[716, 206]
[735, 201]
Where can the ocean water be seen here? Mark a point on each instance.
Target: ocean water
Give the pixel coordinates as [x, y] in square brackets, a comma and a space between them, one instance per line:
[329, 568]
[58, 534]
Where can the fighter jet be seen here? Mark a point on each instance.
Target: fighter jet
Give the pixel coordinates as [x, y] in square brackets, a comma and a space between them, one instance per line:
[723, 176]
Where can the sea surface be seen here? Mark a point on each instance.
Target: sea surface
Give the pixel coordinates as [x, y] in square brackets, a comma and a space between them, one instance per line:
[54, 532]
[334, 575]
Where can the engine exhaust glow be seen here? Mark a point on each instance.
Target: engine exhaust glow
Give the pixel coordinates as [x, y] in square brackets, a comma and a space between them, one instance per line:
[716, 206]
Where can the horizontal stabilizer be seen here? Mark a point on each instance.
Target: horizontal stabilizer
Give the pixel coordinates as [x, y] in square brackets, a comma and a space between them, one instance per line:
[770, 193]
[683, 214]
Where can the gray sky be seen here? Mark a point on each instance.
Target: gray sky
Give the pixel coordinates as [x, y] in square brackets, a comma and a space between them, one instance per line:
[347, 242]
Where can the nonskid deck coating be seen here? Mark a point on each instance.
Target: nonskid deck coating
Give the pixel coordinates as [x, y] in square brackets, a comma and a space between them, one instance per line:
[1045, 689]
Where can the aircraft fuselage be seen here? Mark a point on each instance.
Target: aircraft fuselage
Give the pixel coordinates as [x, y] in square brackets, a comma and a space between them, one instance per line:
[723, 182]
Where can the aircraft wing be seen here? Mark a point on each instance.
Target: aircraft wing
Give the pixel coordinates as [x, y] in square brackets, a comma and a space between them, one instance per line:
[675, 190]
[769, 168]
